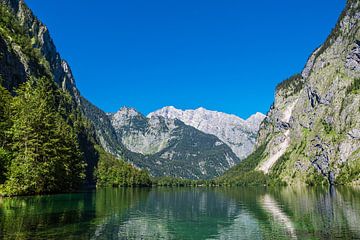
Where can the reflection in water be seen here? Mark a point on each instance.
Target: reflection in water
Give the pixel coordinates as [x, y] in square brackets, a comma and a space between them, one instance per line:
[271, 207]
[185, 213]
[145, 227]
[350, 209]
[244, 226]
[323, 213]
[71, 216]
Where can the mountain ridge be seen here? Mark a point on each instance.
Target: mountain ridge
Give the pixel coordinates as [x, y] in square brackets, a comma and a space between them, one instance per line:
[169, 147]
[30, 63]
[236, 132]
[311, 134]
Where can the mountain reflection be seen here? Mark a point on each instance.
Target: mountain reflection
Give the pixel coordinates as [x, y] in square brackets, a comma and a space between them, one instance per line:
[185, 213]
[279, 216]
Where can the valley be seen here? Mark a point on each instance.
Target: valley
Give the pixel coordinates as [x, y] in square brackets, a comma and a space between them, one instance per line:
[310, 134]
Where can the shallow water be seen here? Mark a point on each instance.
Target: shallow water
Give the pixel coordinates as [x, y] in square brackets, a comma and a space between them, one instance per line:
[185, 213]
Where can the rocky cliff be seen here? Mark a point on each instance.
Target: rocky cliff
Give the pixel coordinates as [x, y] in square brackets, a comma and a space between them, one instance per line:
[168, 147]
[27, 52]
[28, 41]
[238, 134]
[312, 131]
[20, 62]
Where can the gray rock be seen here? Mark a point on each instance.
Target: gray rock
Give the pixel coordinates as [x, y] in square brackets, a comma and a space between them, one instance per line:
[354, 134]
[324, 109]
[240, 135]
[167, 146]
[353, 58]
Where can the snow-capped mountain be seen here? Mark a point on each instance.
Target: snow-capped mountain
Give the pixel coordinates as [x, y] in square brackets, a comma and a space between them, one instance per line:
[237, 133]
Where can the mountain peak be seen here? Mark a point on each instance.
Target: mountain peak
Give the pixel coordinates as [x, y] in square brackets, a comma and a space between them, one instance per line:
[256, 116]
[201, 109]
[231, 129]
[128, 111]
[255, 120]
[124, 116]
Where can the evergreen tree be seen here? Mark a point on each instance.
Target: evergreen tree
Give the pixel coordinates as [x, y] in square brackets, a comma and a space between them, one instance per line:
[115, 172]
[46, 152]
[5, 99]
[5, 124]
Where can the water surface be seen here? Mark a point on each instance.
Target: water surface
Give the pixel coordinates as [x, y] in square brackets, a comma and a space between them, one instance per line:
[185, 213]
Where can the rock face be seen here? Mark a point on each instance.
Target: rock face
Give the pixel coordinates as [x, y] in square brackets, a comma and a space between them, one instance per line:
[164, 146]
[169, 147]
[238, 134]
[312, 130]
[41, 40]
[19, 60]
[104, 130]
[142, 135]
[14, 74]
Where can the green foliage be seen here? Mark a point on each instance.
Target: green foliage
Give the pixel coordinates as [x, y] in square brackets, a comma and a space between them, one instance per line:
[115, 172]
[278, 168]
[5, 124]
[251, 178]
[293, 85]
[349, 172]
[45, 143]
[354, 88]
[336, 31]
[301, 148]
[327, 127]
[5, 160]
[315, 178]
[180, 182]
[244, 173]
[46, 153]
[42, 143]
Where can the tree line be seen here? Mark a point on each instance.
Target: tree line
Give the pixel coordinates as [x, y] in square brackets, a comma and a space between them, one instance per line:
[40, 144]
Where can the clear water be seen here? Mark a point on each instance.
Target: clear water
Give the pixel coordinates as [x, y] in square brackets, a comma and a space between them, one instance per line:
[185, 213]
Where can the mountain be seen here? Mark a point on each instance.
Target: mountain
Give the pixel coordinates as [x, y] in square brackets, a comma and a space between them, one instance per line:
[104, 131]
[168, 147]
[21, 64]
[312, 132]
[28, 52]
[50, 134]
[240, 135]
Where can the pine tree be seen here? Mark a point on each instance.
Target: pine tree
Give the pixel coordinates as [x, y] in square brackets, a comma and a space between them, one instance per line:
[47, 158]
[5, 124]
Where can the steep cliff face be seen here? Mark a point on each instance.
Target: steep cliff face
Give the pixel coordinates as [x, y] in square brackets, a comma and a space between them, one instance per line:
[142, 135]
[14, 73]
[312, 131]
[168, 147]
[28, 50]
[41, 40]
[238, 134]
[104, 130]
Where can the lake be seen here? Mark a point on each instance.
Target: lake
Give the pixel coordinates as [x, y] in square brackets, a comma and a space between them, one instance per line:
[185, 213]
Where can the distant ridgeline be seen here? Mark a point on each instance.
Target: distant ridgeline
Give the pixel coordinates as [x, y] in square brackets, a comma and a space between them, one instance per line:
[312, 132]
[191, 144]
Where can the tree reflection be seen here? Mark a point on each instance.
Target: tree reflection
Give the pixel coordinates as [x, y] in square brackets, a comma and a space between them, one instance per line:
[185, 213]
[63, 216]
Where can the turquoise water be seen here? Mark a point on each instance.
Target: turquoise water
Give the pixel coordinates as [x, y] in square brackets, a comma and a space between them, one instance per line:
[185, 213]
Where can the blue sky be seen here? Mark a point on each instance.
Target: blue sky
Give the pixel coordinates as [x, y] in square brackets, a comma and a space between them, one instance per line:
[225, 55]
